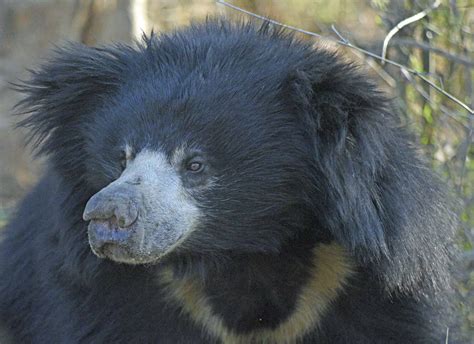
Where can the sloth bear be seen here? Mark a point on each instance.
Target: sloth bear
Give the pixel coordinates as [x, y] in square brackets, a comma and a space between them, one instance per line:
[226, 183]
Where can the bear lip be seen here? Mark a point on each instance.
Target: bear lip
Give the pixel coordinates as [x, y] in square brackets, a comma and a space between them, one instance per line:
[109, 231]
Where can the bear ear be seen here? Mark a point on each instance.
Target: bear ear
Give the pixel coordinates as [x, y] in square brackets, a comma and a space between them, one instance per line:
[61, 95]
[375, 193]
[344, 115]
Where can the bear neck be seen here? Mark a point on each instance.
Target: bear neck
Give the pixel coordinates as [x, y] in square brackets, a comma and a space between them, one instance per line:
[262, 297]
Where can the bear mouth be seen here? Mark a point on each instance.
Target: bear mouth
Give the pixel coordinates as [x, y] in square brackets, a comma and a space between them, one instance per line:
[108, 240]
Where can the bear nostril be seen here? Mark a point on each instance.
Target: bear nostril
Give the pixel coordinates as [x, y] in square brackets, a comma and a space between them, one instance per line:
[121, 222]
[126, 214]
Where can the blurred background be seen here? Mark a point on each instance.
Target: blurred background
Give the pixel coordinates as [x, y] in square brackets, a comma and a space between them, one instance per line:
[438, 44]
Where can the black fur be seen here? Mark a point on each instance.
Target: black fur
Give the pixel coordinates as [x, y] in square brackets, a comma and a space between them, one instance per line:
[305, 150]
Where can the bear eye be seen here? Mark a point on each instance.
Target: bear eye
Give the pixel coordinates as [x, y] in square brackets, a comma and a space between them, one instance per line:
[195, 166]
[123, 161]
[125, 156]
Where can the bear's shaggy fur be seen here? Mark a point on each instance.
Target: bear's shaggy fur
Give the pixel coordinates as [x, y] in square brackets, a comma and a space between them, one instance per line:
[319, 221]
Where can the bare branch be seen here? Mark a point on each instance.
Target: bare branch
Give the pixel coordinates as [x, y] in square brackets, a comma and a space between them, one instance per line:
[461, 59]
[404, 23]
[380, 71]
[469, 131]
[427, 97]
[333, 27]
[344, 42]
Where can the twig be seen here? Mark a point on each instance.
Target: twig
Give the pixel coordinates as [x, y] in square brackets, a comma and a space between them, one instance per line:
[333, 27]
[461, 59]
[350, 45]
[381, 72]
[426, 96]
[469, 133]
[404, 23]
[372, 63]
